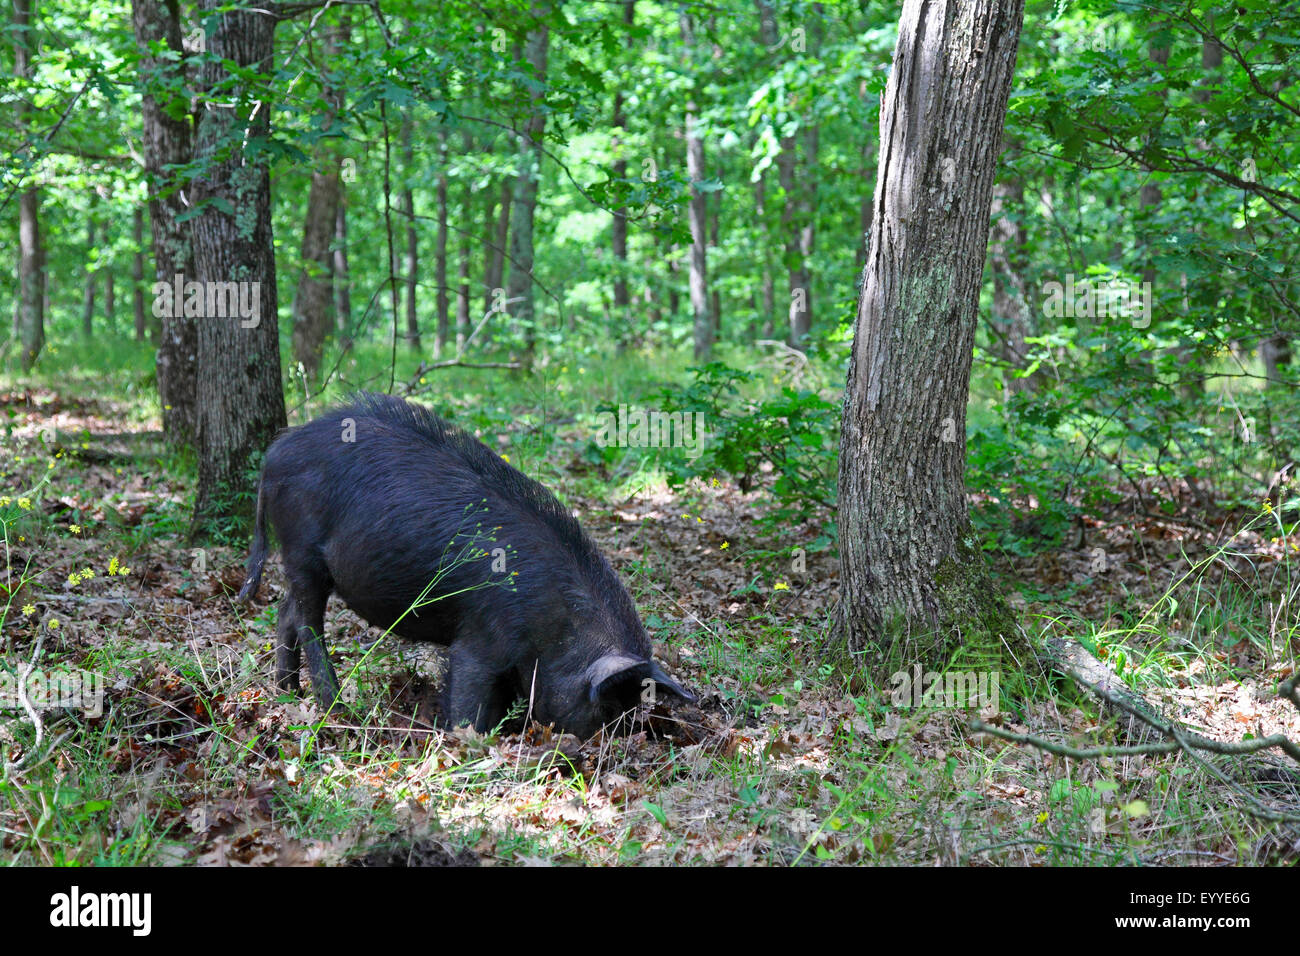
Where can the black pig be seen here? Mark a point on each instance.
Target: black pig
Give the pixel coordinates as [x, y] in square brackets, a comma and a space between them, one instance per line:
[410, 520]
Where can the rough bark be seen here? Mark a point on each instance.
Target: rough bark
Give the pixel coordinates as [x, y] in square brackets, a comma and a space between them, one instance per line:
[240, 397]
[864, 207]
[168, 144]
[914, 584]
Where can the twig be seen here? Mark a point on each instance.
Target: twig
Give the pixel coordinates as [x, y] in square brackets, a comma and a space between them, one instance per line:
[24, 672]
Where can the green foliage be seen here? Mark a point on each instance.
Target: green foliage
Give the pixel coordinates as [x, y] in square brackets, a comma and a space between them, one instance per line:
[784, 444]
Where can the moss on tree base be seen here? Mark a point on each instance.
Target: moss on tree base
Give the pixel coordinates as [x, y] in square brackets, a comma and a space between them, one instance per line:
[966, 625]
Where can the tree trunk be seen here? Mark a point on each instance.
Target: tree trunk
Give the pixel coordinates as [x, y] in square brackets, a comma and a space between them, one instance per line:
[90, 279]
[1013, 321]
[110, 297]
[240, 397]
[715, 241]
[411, 273]
[464, 252]
[496, 250]
[31, 252]
[796, 209]
[618, 227]
[313, 305]
[313, 301]
[1275, 353]
[520, 284]
[137, 275]
[800, 324]
[914, 584]
[698, 214]
[440, 253]
[168, 145]
[342, 278]
[767, 286]
[864, 206]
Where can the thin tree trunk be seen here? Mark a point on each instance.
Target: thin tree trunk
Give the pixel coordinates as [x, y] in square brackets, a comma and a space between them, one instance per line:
[440, 253]
[520, 284]
[800, 319]
[1007, 258]
[1275, 353]
[90, 279]
[767, 287]
[465, 250]
[715, 241]
[137, 274]
[168, 146]
[313, 302]
[412, 270]
[496, 250]
[914, 584]
[110, 298]
[864, 206]
[796, 228]
[698, 214]
[342, 278]
[241, 400]
[32, 289]
[618, 227]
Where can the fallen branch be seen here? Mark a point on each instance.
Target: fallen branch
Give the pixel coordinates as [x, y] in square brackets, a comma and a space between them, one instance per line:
[1073, 661]
[25, 671]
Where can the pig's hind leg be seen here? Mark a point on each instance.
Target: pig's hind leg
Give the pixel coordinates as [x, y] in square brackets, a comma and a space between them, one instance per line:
[288, 655]
[310, 592]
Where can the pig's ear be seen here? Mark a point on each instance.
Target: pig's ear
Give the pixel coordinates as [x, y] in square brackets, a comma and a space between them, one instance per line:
[658, 675]
[613, 669]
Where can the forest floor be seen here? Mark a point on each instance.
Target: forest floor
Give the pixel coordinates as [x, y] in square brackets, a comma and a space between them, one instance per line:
[196, 757]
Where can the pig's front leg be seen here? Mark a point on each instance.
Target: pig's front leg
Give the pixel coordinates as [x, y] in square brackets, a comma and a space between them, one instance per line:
[475, 692]
[288, 656]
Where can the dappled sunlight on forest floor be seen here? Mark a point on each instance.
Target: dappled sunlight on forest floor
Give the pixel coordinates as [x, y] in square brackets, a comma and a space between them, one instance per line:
[198, 758]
